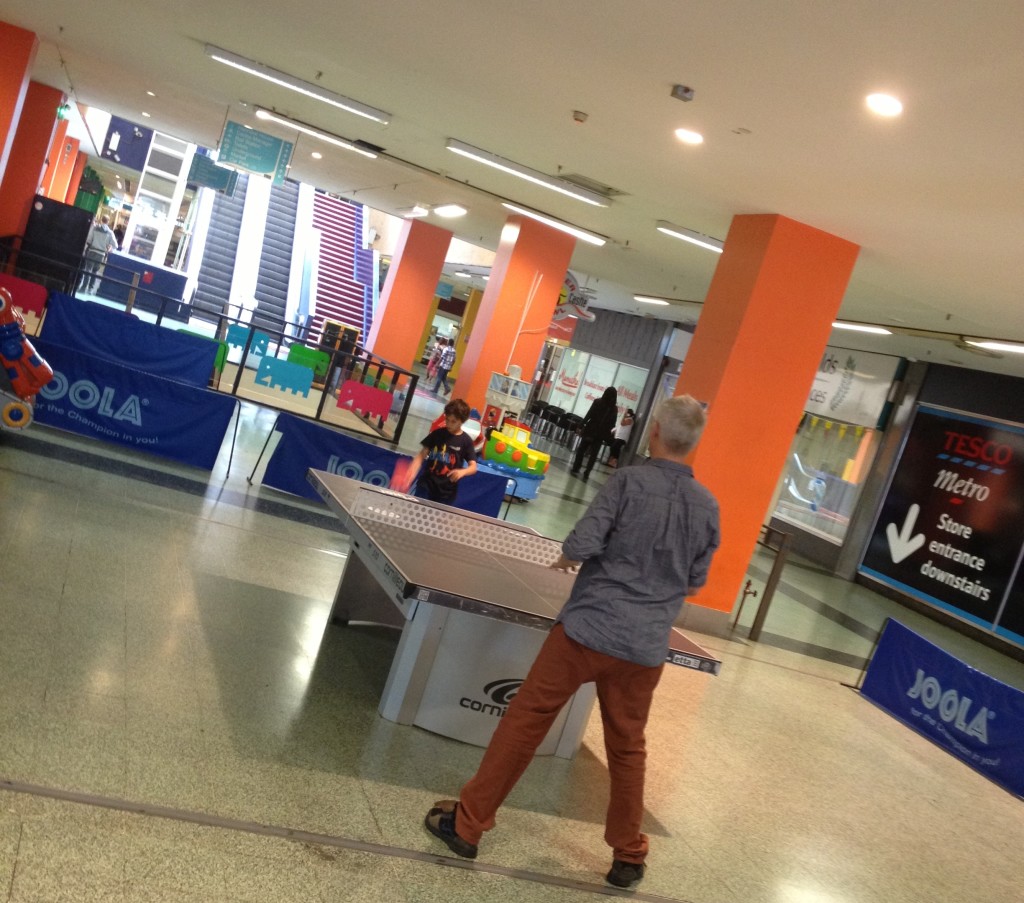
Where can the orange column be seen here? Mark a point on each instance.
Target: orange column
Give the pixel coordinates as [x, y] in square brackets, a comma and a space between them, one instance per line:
[408, 293]
[466, 329]
[28, 156]
[76, 177]
[60, 158]
[19, 53]
[766, 320]
[511, 325]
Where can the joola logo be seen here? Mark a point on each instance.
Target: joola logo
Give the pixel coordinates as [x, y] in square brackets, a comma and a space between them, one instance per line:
[85, 395]
[952, 708]
[354, 471]
[500, 692]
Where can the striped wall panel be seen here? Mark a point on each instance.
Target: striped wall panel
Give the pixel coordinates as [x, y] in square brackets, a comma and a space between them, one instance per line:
[340, 294]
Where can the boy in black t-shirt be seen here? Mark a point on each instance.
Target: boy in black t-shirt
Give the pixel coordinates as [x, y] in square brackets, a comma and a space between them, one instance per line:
[448, 454]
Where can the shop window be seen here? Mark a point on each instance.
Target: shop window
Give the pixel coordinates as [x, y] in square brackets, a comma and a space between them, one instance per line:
[824, 474]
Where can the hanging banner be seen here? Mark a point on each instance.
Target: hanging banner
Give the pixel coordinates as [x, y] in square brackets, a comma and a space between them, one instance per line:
[852, 386]
[304, 444]
[972, 716]
[127, 144]
[573, 300]
[207, 174]
[950, 530]
[255, 152]
[117, 404]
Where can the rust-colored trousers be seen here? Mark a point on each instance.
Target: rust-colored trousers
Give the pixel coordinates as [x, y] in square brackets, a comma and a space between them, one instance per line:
[624, 691]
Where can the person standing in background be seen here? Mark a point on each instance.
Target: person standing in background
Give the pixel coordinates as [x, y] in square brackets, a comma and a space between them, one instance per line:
[596, 428]
[444, 366]
[101, 241]
[621, 436]
[435, 356]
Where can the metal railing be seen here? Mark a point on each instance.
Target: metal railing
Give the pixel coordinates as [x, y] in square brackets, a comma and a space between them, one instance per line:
[778, 542]
[247, 339]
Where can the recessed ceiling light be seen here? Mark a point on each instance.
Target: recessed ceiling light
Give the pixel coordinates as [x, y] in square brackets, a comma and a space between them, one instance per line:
[450, 211]
[145, 114]
[316, 155]
[150, 94]
[884, 104]
[688, 137]
[414, 212]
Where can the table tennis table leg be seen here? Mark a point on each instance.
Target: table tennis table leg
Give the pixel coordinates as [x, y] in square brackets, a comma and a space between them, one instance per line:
[410, 668]
[360, 597]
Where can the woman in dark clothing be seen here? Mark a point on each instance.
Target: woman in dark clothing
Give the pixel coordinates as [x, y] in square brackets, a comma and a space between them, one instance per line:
[596, 427]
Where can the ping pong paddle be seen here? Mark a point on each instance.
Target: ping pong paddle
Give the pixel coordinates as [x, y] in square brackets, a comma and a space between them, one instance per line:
[401, 478]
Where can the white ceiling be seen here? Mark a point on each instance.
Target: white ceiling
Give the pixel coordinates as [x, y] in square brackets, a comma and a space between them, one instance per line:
[935, 198]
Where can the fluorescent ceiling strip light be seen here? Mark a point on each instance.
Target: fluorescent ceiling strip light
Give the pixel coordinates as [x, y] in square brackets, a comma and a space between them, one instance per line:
[990, 345]
[862, 327]
[647, 299]
[555, 224]
[694, 238]
[296, 84]
[268, 116]
[524, 172]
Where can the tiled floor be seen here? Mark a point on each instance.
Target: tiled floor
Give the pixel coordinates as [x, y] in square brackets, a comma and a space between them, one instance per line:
[179, 722]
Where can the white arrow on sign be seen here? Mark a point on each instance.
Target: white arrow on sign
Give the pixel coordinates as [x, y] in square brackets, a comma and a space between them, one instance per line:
[904, 543]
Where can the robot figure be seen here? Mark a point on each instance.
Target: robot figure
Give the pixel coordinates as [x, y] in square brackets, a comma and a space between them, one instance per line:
[26, 371]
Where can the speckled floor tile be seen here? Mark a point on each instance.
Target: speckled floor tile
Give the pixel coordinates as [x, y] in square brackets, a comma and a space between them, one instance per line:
[174, 650]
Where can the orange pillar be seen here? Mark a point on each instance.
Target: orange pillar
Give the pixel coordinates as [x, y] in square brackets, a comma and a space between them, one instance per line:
[76, 177]
[466, 329]
[409, 289]
[511, 325]
[766, 320]
[60, 159]
[27, 159]
[19, 53]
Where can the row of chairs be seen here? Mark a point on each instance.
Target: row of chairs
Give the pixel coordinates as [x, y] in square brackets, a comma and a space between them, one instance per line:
[551, 422]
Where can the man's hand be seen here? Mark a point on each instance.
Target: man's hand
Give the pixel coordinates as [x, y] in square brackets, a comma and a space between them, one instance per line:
[564, 564]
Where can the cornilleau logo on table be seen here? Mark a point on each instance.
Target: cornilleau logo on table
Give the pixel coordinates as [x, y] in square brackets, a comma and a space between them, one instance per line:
[952, 708]
[85, 395]
[499, 692]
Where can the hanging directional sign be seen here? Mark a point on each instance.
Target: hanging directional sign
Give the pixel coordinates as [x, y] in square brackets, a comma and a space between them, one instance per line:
[951, 528]
[254, 151]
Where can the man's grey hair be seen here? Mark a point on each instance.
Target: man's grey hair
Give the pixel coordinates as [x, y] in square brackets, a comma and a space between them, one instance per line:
[682, 421]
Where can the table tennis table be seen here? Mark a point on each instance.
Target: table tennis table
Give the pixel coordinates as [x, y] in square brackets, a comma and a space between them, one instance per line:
[474, 597]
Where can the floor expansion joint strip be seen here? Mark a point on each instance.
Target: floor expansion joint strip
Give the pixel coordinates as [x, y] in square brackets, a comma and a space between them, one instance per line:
[209, 820]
